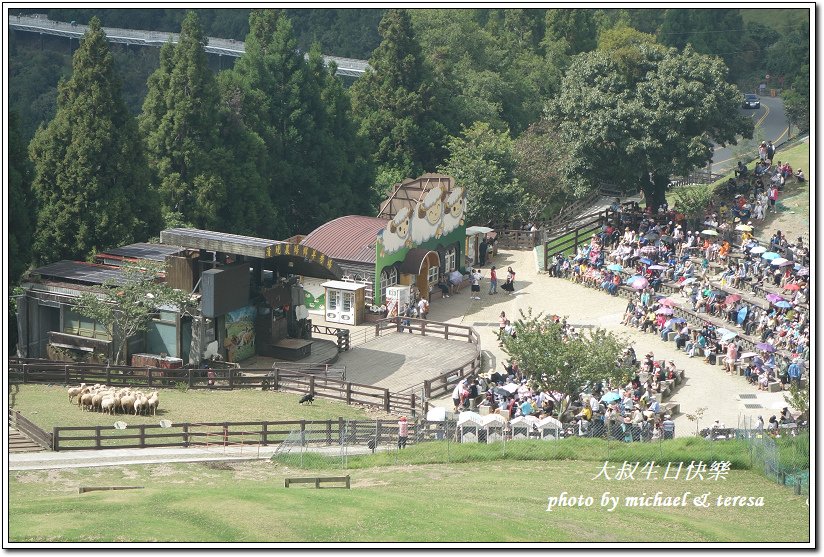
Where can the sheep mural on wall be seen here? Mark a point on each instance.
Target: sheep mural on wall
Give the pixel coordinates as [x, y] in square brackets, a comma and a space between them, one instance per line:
[455, 209]
[427, 221]
[396, 235]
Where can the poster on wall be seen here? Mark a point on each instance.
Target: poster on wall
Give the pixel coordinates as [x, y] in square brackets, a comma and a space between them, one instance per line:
[314, 294]
[240, 334]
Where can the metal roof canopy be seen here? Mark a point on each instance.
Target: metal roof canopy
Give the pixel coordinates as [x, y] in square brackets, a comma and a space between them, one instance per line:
[340, 285]
[219, 241]
[285, 257]
[409, 192]
[78, 271]
[151, 252]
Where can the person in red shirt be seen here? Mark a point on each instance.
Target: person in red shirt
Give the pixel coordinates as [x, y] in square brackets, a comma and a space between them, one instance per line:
[403, 432]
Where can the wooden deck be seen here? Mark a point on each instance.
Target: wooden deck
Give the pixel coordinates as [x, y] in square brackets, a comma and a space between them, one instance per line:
[397, 361]
[323, 352]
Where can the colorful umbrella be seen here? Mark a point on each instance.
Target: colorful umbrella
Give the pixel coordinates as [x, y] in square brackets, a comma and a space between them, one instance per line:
[611, 396]
[657, 268]
[792, 286]
[803, 272]
[709, 232]
[722, 332]
[669, 302]
[758, 249]
[615, 267]
[782, 264]
[633, 278]
[732, 298]
[774, 298]
[640, 284]
[665, 311]
[770, 255]
[746, 355]
[765, 346]
[689, 280]
[729, 336]
[744, 228]
[649, 249]
[783, 304]
[779, 261]
[645, 261]
[677, 320]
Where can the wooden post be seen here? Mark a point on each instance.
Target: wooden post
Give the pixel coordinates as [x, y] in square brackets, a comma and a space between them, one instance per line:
[312, 385]
[386, 399]
[231, 378]
[446, 332]
[275, 379]
[185, 435]
[66, 370]
[423, 328]
[55, 439]
[412, 404]
[149, 375]
[25, 374]
[97, 436]
[264, 434]
[190, 378]
[427, 389]
[142, 435]
[348, 393]
[108, 375]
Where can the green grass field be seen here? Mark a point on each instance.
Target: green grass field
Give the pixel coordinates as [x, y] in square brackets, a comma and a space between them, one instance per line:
[498, 501]
[48, 406]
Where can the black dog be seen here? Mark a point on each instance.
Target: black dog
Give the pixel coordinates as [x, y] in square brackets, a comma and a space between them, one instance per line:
[307, 398]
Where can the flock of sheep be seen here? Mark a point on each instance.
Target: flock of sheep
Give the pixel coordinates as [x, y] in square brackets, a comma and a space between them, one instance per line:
[109, 400]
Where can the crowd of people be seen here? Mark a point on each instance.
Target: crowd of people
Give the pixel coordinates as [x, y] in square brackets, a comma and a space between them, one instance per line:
[723, 271]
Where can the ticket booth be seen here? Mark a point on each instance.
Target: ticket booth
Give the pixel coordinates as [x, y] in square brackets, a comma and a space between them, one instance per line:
[344, 302]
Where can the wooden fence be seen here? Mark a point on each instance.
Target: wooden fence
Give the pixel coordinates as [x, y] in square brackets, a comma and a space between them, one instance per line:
[31, 430]
[251, 433]
[323, 384]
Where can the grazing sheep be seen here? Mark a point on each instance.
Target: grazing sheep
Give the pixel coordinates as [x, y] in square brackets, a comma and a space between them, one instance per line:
[140, 404]
[153, 403]
[85, 401]
[127, 403]
[75, 391]
[107, 405]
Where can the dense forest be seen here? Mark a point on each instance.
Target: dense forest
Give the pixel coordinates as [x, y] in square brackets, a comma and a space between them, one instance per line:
[527, 108]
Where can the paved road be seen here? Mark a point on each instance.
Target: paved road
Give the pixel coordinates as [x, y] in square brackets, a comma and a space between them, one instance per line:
[771, 124]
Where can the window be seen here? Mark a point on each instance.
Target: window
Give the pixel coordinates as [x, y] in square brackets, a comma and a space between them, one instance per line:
[449, 260]
[389, 277]
[333, 299]
[432, 277]
[348, 300]
[76, 324]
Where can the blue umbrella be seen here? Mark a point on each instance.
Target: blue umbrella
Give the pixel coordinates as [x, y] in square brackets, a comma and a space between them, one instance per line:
[742, 314]
[678, 320]
[615, 267]
[633, 278]
[770, 255]
[729, 336]
[783, 304]
[611, 396]
[645, 261]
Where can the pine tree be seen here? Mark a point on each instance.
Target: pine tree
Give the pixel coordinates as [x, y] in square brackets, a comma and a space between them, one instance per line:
[90, 172]
[393, 101]
[179, 124]
[21, 207]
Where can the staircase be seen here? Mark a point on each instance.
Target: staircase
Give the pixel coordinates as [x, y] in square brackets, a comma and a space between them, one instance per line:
[19, 443]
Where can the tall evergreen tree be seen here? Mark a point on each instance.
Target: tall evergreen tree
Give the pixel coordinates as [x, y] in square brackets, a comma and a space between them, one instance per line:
[179, 124]
[90, 172]
[393, 101]
[21, 203]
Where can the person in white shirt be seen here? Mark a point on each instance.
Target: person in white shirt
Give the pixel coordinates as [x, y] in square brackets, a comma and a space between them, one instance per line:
[423, 308]
[475, 290]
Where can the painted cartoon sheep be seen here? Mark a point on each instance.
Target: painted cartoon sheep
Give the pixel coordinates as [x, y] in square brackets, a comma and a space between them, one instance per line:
[427, 221]
[454, 211]
[396, 234]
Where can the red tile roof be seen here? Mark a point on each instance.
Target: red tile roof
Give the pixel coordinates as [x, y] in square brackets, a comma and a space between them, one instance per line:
[350, 238]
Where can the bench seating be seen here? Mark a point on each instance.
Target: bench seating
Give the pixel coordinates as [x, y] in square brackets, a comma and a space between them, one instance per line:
[318, 481]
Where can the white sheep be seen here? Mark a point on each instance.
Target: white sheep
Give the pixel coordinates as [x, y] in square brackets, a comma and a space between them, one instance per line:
[453, 214]
[396, 234]
[427, 219]
[85, 401]
[153, 403]
[107, 405]
[75, 391]
[140, 404]
[127, 403]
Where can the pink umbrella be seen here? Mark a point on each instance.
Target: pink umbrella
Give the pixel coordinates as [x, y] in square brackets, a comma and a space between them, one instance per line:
[774, 298]
[640, 284]
[732, 298]
[665, 311]
[792, 286]
[669, 302]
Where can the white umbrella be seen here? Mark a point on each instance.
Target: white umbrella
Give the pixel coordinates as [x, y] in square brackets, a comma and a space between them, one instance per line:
[758, 249]
[511, 387]
[778, 261]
